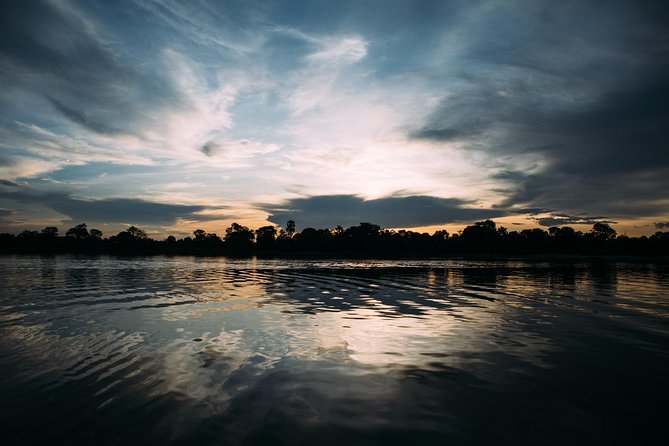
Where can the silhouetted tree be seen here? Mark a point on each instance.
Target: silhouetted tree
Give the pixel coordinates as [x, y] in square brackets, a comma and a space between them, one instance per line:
[28, 236]
[314, 240]
[481, 236]
[48, 239]
[563, 239]
[133, 236]
[440, 240]
[284, 242]
[212, 237]
[8, 242]
[238, 237]
[265, 237]
[290, 228]
[79, 231]
[534, 240]
[137, 233]
[206, 241]
[365, 239]
[564, 232]
[664, 236]
[603, 231]
[50, 232]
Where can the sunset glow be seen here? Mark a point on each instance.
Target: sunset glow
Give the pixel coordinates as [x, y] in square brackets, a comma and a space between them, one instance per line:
[407, 114]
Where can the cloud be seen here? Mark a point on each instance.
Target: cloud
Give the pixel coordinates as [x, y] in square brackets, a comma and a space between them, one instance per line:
[50, 50]
[109, 210]
[560, 108]
[330, 210]
[563, 219]
[83, 119]
[225, 28]
[9, 183]
[205, 95]
[243, 148]
[130, 210]
[60, 67]
[49, 150]
[589, 110]
[662, 225]
[348, 49]
[317, 81]
[13, 166]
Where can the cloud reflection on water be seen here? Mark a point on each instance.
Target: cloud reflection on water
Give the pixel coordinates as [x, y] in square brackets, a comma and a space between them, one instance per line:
[235, 344]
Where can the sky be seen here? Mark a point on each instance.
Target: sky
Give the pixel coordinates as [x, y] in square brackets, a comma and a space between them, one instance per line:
[173, 115]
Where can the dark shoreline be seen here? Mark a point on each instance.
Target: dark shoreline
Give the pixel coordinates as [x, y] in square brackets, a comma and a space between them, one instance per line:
[483, 239]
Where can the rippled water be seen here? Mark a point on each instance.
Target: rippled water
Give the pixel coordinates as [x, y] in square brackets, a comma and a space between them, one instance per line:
[219, 351]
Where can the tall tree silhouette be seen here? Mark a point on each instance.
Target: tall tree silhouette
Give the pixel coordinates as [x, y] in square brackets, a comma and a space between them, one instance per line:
[265, 237]
[290, 228]
[238, 237]
[50, 232]
[603, 231]
[79, 231]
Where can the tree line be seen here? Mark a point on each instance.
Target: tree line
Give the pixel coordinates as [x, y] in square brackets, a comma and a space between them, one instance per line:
[367, 239]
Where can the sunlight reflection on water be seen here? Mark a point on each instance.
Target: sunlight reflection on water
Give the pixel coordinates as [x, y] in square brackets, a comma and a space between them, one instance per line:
[257, 351]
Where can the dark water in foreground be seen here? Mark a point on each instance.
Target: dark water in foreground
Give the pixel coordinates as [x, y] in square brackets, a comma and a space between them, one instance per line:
[221, 351]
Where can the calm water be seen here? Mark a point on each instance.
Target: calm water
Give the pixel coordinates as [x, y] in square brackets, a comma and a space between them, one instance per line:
[219, 351]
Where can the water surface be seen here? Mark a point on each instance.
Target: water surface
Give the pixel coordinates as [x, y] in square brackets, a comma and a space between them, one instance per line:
[220, 351]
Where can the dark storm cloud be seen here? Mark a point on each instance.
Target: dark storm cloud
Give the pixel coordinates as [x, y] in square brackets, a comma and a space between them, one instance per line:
[9, 183]
[50, 50]
[41, 36]
[330, 210]
[110, 210]
[129, 210]
[583, 88]
[564, 219]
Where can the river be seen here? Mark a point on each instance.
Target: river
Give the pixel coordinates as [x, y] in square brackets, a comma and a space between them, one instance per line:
[187, 350]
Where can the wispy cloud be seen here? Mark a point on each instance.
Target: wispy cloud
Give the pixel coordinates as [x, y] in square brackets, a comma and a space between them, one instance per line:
[318, 78]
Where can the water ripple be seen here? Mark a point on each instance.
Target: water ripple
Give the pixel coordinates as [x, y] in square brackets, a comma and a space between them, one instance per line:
[188, 350]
